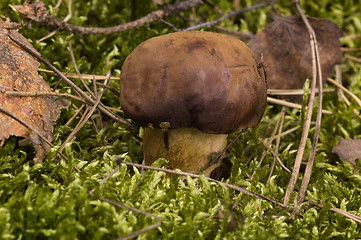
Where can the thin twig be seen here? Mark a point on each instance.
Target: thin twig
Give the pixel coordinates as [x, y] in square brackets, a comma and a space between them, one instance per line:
[86, 117]
[273, 153]
[307, 123]
[342, 96]
[65, 95]
[292, 105]
[99, 119]
[74, 75]
[340, 93]
[40, 94]
[358, 101]
[229, 15]
[40, 14]
[66, 19]
[141, 231]
[344, 49]
[78, 111]
[317, 68]
[355, 59]
[289, 131]
[237, 188]
[78, 72]
[136, 233]
[269, 142]
[74, 86]
[292, 92]
[232, 142]
[31, 128]
[337, 210]
[283, 113]
[105, 179]
[353, 36]
[341, 90]
[57, 5]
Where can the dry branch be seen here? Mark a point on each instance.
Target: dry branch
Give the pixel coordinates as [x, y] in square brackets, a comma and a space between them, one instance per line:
[86, 117]
[230, 15]
[339, 211]
[316, 72]
[136, 233]
[237, 188]
[37, 12]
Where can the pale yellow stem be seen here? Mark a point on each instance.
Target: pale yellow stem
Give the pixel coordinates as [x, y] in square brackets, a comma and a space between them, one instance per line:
[187, 149]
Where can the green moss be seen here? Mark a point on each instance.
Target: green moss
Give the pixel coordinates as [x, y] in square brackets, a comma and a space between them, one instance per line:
[53, 201]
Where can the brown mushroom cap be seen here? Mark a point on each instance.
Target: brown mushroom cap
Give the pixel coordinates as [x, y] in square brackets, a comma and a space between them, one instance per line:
[204, 80]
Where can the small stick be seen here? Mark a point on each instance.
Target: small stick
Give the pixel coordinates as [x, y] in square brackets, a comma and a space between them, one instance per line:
[283, 112]
[136, 233]
[66, 19]
[66, 95]
[229, 15]
[269, 142]
[292, 105]
[78, 111]
[78, 72]
[343, 49]
[74, 86]
[86, 117]
[48, 20]
[74, 75]
[237, 188]
[358, 101]
[289, 131]
[141, 231]
[274, 155]
[339, 80]
[31, 128]
[292, 92]
[355, 59]
[40, 94]
[316, 66]
[342, 89]
[339, 211]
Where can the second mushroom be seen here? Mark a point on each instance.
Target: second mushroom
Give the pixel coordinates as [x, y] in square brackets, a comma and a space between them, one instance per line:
[189, 90]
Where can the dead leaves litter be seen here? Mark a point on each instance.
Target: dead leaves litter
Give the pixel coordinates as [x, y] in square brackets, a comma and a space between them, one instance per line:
[19, 72]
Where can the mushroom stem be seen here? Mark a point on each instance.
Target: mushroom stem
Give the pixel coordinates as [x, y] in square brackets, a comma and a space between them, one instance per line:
[187, 149]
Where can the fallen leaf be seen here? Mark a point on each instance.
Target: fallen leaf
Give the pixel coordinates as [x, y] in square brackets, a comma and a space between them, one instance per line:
[284, 48]
[236, 216]
[348, 150]
[19, 72]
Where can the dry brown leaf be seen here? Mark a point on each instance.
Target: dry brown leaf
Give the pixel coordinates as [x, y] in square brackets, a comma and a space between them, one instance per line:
[348, 150]
[236, 216]
[19, 72]
[284, 48]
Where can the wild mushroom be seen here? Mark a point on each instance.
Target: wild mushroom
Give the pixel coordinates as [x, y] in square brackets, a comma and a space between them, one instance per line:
[189, 90]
